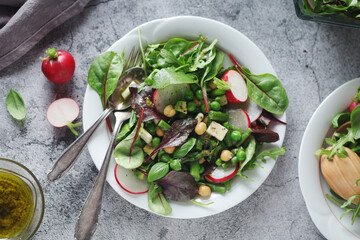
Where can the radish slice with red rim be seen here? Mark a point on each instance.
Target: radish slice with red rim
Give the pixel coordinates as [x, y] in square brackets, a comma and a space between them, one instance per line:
[220, 175]
[252, 109]
[239, 119]
[238, 92]
[128, 181]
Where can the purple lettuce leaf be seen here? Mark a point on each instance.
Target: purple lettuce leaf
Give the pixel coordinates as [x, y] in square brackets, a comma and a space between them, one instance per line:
[178, 186]
[143, 100]
[265, 135]
[177, 134]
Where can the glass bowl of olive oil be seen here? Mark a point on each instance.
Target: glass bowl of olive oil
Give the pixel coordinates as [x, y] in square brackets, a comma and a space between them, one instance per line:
[21, 201]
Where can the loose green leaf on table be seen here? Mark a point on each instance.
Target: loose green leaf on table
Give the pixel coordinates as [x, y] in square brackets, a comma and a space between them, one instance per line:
[15, 105]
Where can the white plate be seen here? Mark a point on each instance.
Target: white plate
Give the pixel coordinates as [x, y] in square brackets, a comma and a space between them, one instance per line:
[324, 213]
[231, 41]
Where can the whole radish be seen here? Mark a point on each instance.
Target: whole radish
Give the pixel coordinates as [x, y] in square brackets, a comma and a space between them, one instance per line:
[353, 105]
[59, 66]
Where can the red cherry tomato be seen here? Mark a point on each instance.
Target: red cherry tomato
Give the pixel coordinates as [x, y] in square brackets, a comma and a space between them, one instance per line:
[59, 66]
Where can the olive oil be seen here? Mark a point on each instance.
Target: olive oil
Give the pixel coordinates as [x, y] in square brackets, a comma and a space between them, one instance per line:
[16, 205]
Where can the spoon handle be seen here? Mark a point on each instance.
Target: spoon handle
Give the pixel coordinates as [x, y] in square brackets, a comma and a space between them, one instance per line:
[86, 224]
[69, 156]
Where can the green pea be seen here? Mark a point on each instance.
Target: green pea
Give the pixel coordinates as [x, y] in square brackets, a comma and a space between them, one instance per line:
[151, 129]
[225, 165]
[165, 158]
[236, 135]
[199, 94]
[202, 169]
[156, 142]
[191, 106]
[215, 106]
[189, 95]
[218, 162]
[194, 87]
[175, 165]
[234, 161]
[203, 108]
[181, 115]
[241, 155]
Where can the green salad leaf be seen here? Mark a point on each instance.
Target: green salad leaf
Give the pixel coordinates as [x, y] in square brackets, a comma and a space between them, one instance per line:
[266, 91]
[340, 119]
[15, 105]
[157, 171]
[104, 74]
[273, 153]
[156, 200]
[355, 122]
[122, 152]
[169, 76]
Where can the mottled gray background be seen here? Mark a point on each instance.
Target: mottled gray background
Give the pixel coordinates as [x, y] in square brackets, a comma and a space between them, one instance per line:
[310, 59]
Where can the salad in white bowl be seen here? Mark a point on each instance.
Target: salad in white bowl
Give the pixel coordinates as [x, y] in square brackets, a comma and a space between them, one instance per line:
[200, 121]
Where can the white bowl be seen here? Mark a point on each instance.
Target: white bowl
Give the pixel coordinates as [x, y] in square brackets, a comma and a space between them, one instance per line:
[230, 41]
[324, 213]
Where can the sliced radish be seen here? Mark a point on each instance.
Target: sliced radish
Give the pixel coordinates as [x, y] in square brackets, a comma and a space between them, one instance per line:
[128, 181]
[169, 95]
[239, 119]
[252, 109]
[220, 175]
[63, 112]
[238, 92]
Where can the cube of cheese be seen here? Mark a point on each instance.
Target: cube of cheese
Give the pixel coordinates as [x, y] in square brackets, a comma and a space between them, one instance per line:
[217, 130]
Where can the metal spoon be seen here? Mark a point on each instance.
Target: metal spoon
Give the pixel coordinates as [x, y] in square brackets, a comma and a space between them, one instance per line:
[68, 157]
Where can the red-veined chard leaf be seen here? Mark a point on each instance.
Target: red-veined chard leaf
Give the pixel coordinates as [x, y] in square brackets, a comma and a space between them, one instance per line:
[178, 186]
[122, 152]
[265, 90]
[104, 74]
[156, 200]
[177, 134]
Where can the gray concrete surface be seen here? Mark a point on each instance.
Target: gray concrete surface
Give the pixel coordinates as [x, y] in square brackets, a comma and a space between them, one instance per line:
[310, 59]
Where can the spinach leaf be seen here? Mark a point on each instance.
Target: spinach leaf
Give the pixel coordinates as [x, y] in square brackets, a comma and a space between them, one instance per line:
[122, 152]
[126, 127]
[184, 149]
[216, 66]
[178, 46]
[169, 76]
[157, 171]
[250, 151]
[104, 74]
[266, 91]
[273, 153]
[156, 200]
[355, 122]
[15, 105]
[176, 135]
[178, 186]
[340, 119]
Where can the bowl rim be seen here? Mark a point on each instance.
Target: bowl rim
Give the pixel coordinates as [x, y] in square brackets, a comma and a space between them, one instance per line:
[40, 190]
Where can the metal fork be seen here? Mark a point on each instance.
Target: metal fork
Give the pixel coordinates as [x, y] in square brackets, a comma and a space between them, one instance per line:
[68, 158]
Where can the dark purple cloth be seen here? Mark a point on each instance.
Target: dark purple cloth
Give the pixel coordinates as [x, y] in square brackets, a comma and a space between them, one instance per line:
[23, 27]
